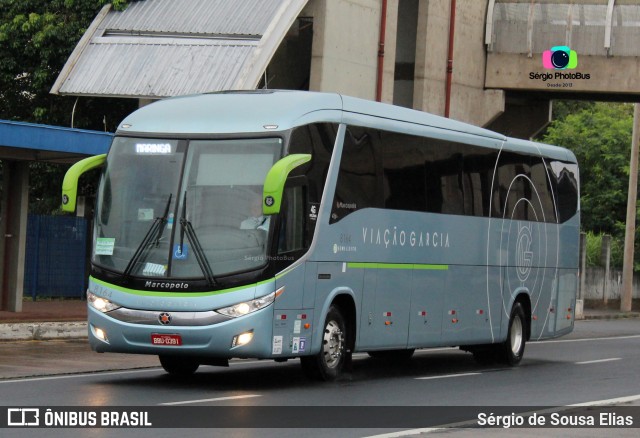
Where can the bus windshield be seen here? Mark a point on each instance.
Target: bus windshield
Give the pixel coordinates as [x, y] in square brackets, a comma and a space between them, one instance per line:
[191, 209]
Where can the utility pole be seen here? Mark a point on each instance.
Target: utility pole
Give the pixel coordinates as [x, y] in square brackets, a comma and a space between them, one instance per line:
[630, 230]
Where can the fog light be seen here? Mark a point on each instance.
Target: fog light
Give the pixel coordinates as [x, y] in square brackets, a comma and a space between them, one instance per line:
[242, 339]
[100, 334]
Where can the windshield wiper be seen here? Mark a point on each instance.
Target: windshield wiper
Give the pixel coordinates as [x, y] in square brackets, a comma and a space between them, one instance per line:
[153, 236]
[187, 228]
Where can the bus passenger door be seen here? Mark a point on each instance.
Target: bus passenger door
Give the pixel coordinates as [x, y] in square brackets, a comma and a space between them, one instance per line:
[385, 310]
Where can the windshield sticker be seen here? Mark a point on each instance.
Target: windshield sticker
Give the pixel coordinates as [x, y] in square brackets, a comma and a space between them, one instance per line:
[105, 245]
[154, 270]
[145, 214]
[313, 211]
[180, 252]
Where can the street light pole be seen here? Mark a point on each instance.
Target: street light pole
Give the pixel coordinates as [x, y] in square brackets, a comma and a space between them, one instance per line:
[630, 229]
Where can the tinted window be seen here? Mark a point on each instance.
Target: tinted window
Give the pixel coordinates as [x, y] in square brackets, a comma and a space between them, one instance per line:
[317, 140]
[567, 183]
[404, 172]
[359, 182]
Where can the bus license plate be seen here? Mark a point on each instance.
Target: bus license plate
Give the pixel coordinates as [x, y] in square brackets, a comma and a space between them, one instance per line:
[170, 340]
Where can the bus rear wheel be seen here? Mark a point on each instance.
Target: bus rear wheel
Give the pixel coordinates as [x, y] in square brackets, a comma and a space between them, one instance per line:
[330, 361]
[178, 366]
[512, 349]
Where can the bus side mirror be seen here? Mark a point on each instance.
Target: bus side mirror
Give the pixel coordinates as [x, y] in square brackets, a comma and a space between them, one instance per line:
[70, 182]
[276, 179]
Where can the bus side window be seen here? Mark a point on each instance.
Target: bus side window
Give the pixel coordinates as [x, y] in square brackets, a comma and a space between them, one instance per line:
[293, 220]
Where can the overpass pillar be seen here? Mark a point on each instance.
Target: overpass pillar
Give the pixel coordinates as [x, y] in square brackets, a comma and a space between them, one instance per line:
[469, 100]
[630, 228]
[13, 237]
[523, 117]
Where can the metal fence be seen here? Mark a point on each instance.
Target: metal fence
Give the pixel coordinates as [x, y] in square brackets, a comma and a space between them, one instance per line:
[590, 27]
[56, 256]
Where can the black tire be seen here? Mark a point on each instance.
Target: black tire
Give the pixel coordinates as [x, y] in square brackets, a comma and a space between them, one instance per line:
[393, 355]
[178, 366]
[512, 350]
[328, 364]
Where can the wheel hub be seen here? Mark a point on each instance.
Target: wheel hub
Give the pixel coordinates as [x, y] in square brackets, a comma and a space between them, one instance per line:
[516, 336]
[333, 344]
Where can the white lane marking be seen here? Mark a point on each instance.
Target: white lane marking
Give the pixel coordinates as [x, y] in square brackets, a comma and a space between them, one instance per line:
[610, 401]
[586, 362]
[470, 423]
[205, 400]
[411, 432]
[446, 376]
[423, 351]
[606, 338]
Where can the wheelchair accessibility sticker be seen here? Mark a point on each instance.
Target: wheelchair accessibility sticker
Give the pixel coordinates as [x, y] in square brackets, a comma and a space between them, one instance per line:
[180, 253]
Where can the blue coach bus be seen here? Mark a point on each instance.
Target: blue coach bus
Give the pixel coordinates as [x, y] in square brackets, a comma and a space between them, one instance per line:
[283, 224]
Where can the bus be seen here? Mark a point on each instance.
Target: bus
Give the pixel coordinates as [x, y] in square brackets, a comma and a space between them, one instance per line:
[290, 224]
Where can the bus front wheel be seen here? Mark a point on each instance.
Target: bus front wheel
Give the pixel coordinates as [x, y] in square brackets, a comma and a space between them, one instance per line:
[178, 366]
[330, 361]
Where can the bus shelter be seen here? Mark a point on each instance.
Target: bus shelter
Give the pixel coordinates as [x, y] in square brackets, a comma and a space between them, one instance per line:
[21, 143]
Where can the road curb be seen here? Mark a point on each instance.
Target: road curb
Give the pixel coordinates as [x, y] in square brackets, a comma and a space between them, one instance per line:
[626, 315]
[40, 331]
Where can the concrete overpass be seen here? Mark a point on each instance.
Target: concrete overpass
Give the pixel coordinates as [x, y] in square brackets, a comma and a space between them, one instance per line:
[603, 37]
[470, 60]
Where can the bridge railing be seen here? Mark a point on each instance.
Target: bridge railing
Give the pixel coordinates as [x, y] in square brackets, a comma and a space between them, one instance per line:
[591, 27]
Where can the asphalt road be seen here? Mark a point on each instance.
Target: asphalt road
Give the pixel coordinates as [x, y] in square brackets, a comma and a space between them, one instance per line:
[600, 360]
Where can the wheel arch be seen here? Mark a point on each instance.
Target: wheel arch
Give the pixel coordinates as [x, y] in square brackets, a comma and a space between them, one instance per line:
[344, 299]
[525, 301]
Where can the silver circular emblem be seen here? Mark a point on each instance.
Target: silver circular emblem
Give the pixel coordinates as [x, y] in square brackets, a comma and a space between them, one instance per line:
[164, 318]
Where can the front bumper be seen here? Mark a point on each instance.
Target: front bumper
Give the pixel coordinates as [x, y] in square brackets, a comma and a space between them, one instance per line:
[130, 331]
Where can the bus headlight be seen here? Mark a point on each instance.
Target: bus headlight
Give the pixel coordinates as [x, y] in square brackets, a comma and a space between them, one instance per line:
[101, 304]
[247, 307]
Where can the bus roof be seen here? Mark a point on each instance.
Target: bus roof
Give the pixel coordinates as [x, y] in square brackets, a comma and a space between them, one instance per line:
[268, 111]
[547, 150]
[250, 111]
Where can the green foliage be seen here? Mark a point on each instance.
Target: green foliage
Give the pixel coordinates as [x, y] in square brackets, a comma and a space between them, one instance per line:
[562, 108]
[599, 134]
[594, 250]
[594, 245]
[45, 181]
[36, 39]
[600, 137]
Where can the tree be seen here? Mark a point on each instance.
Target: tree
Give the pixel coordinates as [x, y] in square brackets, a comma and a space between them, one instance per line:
[562, 108]
[36, 39]
[600, 137]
